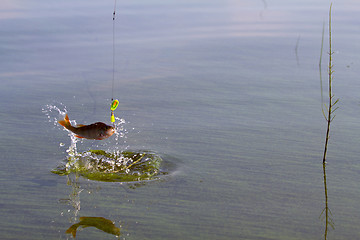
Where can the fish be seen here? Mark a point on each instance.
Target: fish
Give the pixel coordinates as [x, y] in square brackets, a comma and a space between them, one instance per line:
[97, 131]
[99, 222]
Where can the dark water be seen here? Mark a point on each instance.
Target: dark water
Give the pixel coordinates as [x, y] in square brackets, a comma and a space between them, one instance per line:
[227, 92]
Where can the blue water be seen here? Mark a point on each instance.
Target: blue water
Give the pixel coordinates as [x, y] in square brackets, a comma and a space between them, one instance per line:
[226, 92]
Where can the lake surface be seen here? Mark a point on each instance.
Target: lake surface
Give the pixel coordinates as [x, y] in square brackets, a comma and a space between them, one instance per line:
[226, 92]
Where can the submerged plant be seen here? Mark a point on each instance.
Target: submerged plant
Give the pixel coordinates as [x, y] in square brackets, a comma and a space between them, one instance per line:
[330, 109]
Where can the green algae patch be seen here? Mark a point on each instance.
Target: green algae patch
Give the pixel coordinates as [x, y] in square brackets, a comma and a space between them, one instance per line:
[125, 166]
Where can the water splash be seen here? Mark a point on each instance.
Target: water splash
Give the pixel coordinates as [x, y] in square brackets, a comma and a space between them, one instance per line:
[120, 131]
[57, 112]
[54, 113]
[117, 164]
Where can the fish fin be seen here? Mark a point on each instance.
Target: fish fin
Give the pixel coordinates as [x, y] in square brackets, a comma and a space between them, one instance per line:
[72, 230]
[78, 136]
[66, 122]
[62, 123]
[80, 125]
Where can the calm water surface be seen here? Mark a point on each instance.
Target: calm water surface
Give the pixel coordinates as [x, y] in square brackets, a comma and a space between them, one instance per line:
[227, 92]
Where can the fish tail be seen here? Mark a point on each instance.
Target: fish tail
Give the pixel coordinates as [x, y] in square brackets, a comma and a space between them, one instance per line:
[72, 230]
[66, 122]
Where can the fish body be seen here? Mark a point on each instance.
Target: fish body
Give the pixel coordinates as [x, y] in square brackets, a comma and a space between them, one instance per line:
[98, 131]
[99, 222]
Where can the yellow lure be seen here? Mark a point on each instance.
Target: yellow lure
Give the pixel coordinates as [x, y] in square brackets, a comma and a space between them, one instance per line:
[114, 105]
[112, 117]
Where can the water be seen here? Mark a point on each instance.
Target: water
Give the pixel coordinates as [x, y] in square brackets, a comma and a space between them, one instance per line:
[215, 88]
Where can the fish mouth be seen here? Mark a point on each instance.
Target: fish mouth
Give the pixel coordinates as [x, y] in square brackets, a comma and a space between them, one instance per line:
[110, 131]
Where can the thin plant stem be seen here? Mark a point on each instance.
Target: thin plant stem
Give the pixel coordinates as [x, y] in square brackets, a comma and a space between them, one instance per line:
[330, 114]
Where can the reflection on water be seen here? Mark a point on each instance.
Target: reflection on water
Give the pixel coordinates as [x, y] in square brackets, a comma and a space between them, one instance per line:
[100, 223]
[326, 213]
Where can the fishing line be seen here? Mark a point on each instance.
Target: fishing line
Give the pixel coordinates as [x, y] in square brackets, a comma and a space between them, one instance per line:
[113, 72]
[114, 103]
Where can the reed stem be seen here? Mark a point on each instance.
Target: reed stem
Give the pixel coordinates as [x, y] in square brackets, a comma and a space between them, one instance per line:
[330, 114]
